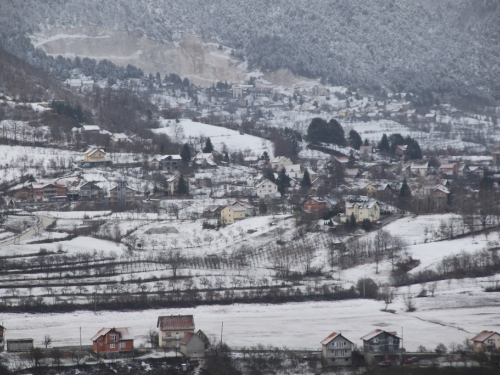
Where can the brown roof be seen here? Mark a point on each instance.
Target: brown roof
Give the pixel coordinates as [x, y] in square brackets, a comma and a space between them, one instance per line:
[482, 336]
[174, 322]
[186, 338]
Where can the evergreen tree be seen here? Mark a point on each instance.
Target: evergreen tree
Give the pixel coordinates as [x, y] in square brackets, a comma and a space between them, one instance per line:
[354, 139]
[182, 186]
[226, 157]
[283, 181]
[413, 150]
[405, 191]
[395, 140]
[327, 132]
[265, 157]
[208, 146]
[366, 142]
[352, 161]
[262, 207]
[306, 180]
[383, 145]
[186, 153]
[269, 174]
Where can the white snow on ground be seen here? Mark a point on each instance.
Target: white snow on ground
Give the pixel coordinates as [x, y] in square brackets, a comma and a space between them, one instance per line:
[219, 136]
[445, 318]
[78, 244]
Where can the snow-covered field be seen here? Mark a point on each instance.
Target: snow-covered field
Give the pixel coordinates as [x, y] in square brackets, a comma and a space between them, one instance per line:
[445, 318]
[187, 131]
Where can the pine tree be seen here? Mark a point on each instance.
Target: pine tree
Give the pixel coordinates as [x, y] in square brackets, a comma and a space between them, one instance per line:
[262, 207]
[283, 181]
[306, 180]
[405, 191]
[352, 161]
[186, 153]
[367, 143]
[383, 145]
[208, 146]
[354, 139]
[265, 156]
[181, 186]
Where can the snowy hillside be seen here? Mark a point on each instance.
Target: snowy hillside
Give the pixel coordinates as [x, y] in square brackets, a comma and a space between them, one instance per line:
[446, 44]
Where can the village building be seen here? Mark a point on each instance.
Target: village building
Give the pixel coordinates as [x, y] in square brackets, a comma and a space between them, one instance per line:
[2, 337]
[381, 345]
[42, 192]
[192, 345]
[230, 214]
[91, 129]
[19, 345]
[90, 191]
[113, 342]
[496, 155]
[165, 162]
[173, 183]
[212, 212]
[265, 188]
[279, 162]
[250, 209]
[361, 209]
[172, 329]
[94, 157]
[122, 194]
[337, 350]
[486, 341]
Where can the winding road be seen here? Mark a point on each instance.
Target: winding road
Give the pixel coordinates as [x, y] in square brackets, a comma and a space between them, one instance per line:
[42, 223]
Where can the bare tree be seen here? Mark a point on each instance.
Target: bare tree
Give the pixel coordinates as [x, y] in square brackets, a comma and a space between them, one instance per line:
[175, 260]
[409, 301]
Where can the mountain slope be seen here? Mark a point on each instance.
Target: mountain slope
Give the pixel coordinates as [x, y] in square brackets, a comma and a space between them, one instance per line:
[438, 45]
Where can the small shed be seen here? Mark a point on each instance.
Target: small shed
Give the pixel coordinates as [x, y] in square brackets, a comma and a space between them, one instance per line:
[192, 346]
[19, 345]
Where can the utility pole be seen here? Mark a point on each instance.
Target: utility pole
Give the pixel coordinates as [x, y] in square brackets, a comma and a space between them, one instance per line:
[80, 338]
[221, 330]
[402, 346]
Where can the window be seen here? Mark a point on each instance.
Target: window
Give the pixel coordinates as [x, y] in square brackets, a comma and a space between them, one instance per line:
[112, 337]
[112, 346]
[169, 334]
[491, 342]
[100, 344]
[122, 345]
[375, 341]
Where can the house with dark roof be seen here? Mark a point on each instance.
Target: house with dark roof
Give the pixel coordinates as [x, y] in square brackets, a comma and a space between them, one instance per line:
[173, 328]
[113, 342]
[381, 345]
[337, 350]
[486, 341]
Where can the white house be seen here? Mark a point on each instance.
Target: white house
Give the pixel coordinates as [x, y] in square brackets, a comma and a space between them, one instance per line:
[337, 350]
[265, 188]
[279, 162]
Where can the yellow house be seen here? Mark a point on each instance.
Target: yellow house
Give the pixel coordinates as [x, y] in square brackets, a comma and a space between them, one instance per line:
[94, 155]
[231, 213]
[362, 210]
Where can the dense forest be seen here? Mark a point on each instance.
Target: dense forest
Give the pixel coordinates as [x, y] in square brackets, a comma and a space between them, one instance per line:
[445, 45]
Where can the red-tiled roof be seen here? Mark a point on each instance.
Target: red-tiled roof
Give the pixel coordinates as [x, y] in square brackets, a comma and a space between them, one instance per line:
[174, 322]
